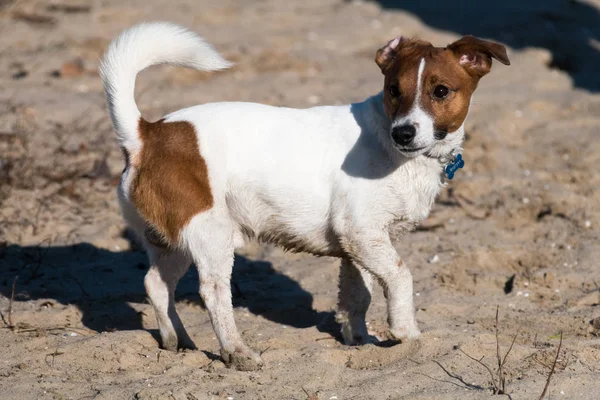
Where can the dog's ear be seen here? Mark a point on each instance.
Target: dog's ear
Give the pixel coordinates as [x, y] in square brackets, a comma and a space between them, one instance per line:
[475, 55]
[386, 55]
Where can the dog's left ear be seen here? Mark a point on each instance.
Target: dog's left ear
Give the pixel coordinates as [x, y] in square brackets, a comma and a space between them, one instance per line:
[475, 55]
[386, 55]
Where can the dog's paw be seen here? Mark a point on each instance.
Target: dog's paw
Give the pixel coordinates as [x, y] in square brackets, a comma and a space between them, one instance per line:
[242, 359]
[359, 339]
[403, 333]
[354, 330]
[169, 342]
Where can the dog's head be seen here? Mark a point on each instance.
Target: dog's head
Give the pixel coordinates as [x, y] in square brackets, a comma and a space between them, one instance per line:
[428, 89]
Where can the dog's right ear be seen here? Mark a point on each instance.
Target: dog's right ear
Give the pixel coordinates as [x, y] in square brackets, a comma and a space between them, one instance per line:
[475, 55]
[386, 55]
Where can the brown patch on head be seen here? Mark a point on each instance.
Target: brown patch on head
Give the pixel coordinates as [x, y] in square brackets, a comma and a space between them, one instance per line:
[457, 68]
[171, 184]
[399, 61]
[442, 70]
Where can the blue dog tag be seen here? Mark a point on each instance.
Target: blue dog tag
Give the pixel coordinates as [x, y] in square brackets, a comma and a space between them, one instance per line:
[454, 166]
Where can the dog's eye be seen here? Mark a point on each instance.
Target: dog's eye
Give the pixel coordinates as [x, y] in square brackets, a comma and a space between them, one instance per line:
[441, 91]
[394, 91]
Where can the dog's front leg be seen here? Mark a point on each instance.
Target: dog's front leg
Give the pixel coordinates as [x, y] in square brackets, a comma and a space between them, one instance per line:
[374, 252]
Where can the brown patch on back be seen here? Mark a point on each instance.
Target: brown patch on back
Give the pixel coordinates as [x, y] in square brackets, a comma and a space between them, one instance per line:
[171, 178]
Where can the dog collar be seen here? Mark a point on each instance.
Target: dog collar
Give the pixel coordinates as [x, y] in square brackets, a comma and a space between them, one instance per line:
[454, 166]
[451, 162]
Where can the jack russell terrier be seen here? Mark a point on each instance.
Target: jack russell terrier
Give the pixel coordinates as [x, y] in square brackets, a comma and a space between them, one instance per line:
[331, 181]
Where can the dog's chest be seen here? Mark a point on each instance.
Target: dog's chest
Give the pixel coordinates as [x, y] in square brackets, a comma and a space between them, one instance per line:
[415, 189]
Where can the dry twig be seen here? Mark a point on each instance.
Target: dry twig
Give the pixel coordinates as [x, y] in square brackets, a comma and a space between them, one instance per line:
[553, 368]
[499, 378]
[310, 396]
[458, 378]
[53, 355]
[10, 304]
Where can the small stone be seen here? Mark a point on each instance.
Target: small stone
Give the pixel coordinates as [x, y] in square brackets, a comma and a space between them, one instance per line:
[596, 323]
[20, 74]
[314, 99]
[70, 69]
[470, 321]
[432, 260]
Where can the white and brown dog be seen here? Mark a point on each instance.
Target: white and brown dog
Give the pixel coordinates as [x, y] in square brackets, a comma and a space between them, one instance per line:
[326, 180]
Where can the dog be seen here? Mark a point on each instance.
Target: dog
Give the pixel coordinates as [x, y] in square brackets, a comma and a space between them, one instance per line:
[329, 180]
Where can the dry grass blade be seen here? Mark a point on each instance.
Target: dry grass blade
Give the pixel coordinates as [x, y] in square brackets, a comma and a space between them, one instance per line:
[553, 368]
[478, 361]
[310, 396]
[498, 377]
[10, 304]
[80, 331]
[458, 378]
[440, 380]
[501, 379]
[510, 348]
[69, 8]
[53, 355]
[34, 18]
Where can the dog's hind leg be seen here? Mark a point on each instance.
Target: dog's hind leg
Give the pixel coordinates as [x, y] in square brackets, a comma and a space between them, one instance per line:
[210, 241]
[166, 268]
[353, 302]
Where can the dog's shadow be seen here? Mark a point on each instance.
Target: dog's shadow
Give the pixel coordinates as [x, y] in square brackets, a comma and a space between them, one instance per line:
[103, 283]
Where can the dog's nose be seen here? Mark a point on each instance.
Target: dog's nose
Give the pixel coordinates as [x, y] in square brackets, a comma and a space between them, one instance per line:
[404, 134]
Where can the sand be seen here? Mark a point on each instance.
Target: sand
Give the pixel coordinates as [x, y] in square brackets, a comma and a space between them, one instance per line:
[516, 230]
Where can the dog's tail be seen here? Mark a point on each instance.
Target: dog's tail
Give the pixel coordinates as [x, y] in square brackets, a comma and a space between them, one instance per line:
[138, 48]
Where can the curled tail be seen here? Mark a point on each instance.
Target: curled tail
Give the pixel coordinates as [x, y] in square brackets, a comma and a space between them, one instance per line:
[138, 48]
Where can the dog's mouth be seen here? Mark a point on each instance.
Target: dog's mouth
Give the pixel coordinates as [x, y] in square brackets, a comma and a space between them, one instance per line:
[411, 150]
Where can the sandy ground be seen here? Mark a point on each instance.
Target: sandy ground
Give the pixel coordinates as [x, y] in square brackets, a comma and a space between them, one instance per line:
[517, 229]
